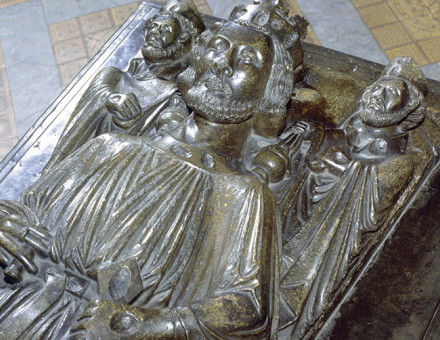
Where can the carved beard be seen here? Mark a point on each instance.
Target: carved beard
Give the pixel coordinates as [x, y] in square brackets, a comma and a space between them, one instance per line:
[373, 112]
[151, 52]
[210, 98]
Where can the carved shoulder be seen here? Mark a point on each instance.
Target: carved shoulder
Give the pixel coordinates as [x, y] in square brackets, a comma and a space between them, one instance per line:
[394, 176]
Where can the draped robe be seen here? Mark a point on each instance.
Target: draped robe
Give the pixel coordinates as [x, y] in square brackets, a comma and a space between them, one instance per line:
[200, 235]
[332, 204]
[91, 118]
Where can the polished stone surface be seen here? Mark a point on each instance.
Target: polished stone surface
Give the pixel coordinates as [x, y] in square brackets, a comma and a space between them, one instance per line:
[35, 149]
[62, 52]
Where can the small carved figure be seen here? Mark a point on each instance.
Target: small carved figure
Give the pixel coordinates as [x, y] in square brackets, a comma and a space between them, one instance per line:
[133, 101]
[165, 233]
[346, 189]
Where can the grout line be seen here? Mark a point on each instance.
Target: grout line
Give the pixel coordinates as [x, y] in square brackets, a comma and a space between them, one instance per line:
[52, 45]
[404, 27]
[371, 33]
[112, 20]
[379, 26]
[369, 5]
[10, 105]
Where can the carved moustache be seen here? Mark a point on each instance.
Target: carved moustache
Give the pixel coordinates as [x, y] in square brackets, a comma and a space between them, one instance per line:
[217, 85]
[151, 50]
[375, 104]
[153, 42]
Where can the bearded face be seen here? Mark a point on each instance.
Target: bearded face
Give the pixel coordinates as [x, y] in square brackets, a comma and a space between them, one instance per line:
[162, 39]
[382, 108]
[384, 101]
[227, 80]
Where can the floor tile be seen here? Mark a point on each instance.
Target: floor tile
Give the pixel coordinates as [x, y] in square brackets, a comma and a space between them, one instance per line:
[391, 35]
[5, 3]
[6, 145]
[32, 73]
[69, 71]
[432, 49]
[65, 30]
[364, 3]
[7, 127]
[2, 80]
[5, 102]
[423, 27]
[432, 71]
[69, 50]
[410, 50]
[60, 10]
[409, 9]
[338, 25]
[121, 13]
[95, 22]
[376, 15]
[95, 41]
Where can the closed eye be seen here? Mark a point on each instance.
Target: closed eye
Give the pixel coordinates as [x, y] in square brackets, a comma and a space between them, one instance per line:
[248, 56]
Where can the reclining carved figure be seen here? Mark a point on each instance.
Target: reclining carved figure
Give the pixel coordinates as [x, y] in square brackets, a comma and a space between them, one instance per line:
[145, 96]
[161, 236]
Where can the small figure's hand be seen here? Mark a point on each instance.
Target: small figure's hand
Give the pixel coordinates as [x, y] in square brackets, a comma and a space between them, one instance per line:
[94, 322]
[124, 106]
[271, 164]
[18, 239]
[169, 120]
[300, 128]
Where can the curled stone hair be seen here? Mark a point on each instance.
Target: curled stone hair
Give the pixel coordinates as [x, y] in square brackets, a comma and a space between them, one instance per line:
[279, 86]
[406, 68]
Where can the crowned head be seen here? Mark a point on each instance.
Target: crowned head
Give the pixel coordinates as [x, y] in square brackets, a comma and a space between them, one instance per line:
[239, 70]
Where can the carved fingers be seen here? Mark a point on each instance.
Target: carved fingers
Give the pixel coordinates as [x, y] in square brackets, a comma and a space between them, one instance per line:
[18, 251]
[124, 106]
[104, 320]
[18, 240]
[87, 323]
[111, 320]
[299, 131]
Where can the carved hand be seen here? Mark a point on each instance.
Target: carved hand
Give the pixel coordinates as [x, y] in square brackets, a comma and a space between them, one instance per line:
[271, 164]
[110, 320]
[18, 239]
[124, 106]
[302, 129]
[169, 120]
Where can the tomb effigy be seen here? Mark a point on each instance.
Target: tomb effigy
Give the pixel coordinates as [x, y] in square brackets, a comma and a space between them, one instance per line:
[212, 179]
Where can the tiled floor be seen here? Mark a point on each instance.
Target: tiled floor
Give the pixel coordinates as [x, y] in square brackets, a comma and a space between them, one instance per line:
[4, 3]
[410, 27]
[8, 132]
[44, 43]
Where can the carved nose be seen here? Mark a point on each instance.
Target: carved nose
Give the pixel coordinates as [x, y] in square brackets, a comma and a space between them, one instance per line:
[394, 102]
[154, 30]
[221, 67]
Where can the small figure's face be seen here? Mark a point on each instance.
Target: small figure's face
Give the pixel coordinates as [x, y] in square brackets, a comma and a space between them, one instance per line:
[382, 99]
[230, 78]
[162, 39]
[386, 97]
[162, 32]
